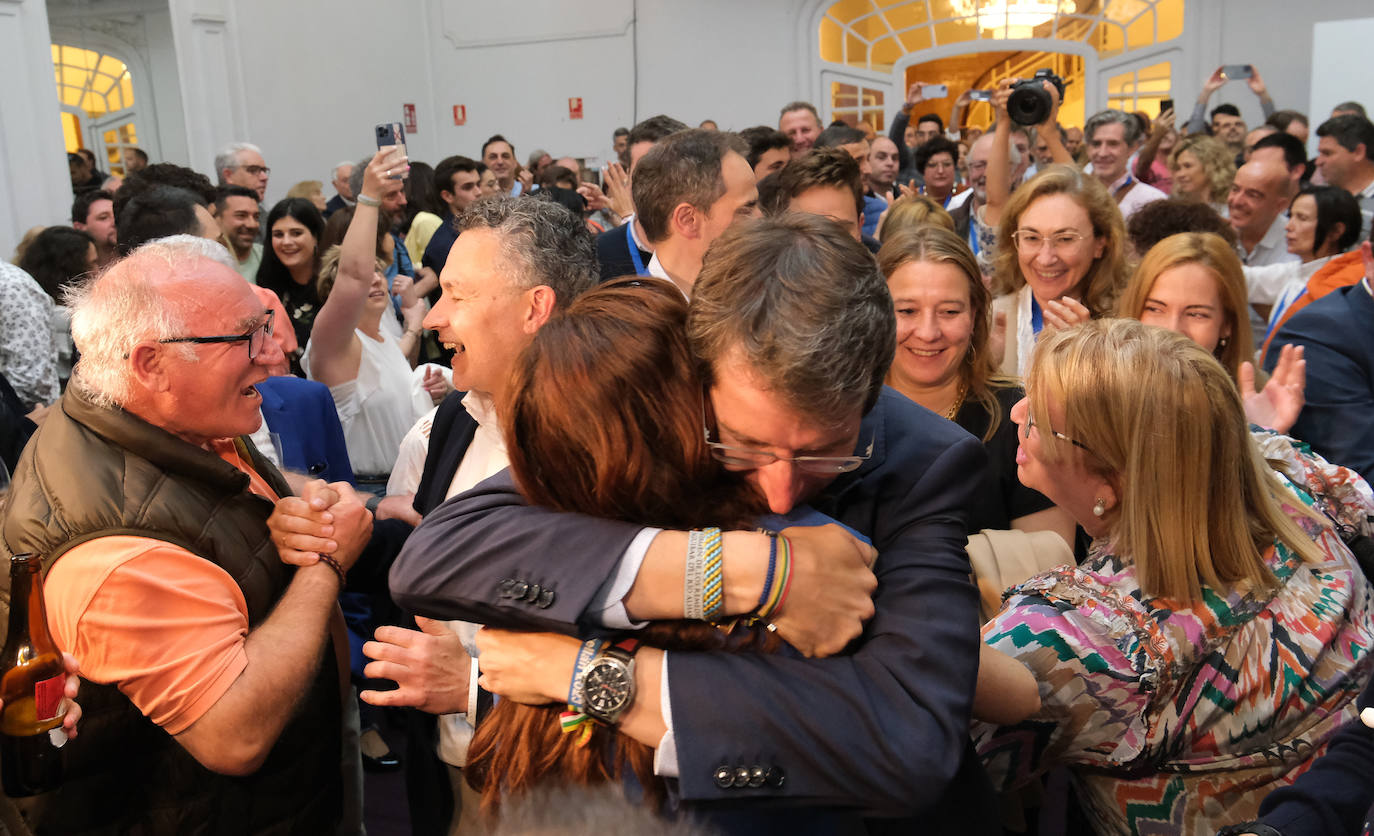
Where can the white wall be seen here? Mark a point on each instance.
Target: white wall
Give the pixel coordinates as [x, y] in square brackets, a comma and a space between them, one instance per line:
[1275, 36]
[319, 80]
[34, 185]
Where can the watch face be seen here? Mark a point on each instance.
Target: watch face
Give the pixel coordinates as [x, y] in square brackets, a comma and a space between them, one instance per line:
[608, 686]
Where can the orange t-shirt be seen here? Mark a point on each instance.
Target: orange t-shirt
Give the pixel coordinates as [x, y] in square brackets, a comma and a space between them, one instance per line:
[165, 626]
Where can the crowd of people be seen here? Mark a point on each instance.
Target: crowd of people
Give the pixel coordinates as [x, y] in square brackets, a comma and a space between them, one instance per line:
[794, 479]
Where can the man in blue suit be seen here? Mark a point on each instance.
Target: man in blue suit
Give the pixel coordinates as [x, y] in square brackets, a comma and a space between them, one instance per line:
[1337, 336]
[794, 327]
[301, 412]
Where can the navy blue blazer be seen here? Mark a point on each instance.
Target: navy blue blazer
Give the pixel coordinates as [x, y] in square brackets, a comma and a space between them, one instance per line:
[882, 729]
[1337, 333]
[302, 412]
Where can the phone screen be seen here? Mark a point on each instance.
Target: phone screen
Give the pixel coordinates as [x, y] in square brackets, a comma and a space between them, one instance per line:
[389, 134]
[1167, 104]
[980, 95]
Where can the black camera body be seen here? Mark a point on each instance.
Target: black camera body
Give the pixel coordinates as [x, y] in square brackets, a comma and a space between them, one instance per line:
[1030, 103]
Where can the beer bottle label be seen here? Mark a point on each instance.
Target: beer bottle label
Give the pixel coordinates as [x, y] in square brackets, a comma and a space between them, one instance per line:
[47, 697]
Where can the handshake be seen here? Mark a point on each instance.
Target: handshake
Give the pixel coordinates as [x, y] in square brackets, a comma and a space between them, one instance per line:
[327, 519]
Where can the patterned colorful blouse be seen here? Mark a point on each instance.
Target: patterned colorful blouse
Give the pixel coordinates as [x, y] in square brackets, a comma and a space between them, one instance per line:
[1177, 718]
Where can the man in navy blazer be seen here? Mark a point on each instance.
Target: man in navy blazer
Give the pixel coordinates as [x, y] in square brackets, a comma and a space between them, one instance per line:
[302, 413]
[1337, 336]
[795, 329]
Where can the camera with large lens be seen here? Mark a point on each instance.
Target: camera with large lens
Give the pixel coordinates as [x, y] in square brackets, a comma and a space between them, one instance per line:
[1030, 102]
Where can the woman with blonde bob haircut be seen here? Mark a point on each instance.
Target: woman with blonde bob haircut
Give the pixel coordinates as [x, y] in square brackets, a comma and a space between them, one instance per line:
[913, 212]
[1202, 168]
[1061, 259]
[1219, 630]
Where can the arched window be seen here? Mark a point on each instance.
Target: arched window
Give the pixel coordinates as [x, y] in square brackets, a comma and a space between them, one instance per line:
[864, 42]
[96, 93]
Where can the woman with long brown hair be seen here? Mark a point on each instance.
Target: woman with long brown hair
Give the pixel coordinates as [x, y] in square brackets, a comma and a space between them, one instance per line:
[594, 427]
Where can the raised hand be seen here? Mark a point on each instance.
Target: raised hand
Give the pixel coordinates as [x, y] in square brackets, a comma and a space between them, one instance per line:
[1279, 403]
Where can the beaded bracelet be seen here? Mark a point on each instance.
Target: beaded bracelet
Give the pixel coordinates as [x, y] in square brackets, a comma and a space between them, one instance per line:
[694, 578]
[713, 587]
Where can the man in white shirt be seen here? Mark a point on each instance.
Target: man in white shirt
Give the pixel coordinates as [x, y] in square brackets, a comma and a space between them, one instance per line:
[688, 189]
[1259, 196]
[517, 263]
[1112, 137]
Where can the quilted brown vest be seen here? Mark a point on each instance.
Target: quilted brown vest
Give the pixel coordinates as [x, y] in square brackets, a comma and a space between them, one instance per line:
[93, 472]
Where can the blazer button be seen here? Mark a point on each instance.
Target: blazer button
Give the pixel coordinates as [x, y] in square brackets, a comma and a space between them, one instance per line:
[532, 594]
[545, 599]
[757, 776]
[775, 777]
[505, 587]
[742, 777]
[518, 590]
[725, 777]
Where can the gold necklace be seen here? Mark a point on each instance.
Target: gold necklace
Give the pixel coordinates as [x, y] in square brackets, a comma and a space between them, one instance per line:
[958, 402]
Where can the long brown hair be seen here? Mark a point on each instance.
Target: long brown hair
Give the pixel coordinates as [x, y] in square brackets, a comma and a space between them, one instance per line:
[605, 417]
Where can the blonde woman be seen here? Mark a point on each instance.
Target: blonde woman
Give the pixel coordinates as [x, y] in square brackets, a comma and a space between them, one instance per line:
[1060, 259]
[1192, 284]
[1219, 630]
[1202, 170]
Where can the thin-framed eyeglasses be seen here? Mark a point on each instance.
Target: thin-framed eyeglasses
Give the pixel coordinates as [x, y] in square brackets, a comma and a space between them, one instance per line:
[1028, 241]
[256, 337]
[257, 170]
[750, 458]
[1030, 424]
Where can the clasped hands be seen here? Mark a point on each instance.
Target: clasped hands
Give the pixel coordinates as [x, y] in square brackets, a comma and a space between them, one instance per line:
[327, 518]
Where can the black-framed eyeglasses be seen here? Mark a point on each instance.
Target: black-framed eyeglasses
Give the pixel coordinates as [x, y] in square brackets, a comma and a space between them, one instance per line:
[1030, 423]
[750, 458]
[257, 170]
[256, 337]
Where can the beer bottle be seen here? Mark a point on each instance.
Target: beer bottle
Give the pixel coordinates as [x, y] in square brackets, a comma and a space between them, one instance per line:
[31, 685]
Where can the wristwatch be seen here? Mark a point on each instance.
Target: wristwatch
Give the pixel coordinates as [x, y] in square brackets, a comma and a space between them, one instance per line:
[608, 682]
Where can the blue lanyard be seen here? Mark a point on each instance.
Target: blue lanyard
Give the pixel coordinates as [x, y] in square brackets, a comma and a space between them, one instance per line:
[972, 232]
[1116, 195]
[634, 249]
[1037, 319]
[1276, 317]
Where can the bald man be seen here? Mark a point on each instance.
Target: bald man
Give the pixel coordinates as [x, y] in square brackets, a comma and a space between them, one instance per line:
[1259, 196]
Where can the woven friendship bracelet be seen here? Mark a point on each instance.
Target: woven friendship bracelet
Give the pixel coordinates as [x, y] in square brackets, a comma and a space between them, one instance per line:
[694, 578]
[778, 582]
[585, 655]
[713, 587]
[772, 567]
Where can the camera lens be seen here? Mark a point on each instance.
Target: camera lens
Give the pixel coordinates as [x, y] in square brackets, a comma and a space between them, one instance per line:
[1029, 104]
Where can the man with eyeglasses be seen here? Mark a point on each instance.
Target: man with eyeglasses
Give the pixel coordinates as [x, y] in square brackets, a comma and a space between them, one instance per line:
[793, 326]
[207, 660]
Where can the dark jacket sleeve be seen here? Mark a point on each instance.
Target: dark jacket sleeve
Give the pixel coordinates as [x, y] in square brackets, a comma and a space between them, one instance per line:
[883, 726]
[897, 133]
[1335, 795]
[487, 557]
[1338, 418]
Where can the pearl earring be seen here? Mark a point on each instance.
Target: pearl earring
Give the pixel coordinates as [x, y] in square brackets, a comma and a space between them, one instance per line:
[1099, 508]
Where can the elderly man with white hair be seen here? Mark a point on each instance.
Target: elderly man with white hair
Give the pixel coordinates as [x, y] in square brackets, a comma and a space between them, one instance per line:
[241, 164]
[211, 690]
[339, 175]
